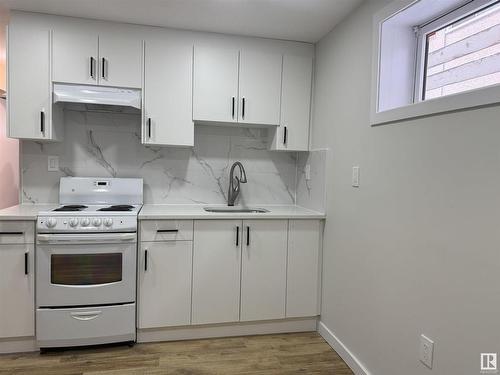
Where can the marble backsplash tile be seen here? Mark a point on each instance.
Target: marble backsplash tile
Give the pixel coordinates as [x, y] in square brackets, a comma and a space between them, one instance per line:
[108, 145]
[311, 193]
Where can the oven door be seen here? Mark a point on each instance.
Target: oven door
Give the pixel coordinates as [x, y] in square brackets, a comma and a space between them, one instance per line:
[85, 269]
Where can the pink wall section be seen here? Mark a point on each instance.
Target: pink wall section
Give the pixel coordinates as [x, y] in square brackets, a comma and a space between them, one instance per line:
[9, 148]
[9, 164]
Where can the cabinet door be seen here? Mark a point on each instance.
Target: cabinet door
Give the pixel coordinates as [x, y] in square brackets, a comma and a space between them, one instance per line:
[260, 88]
[29, 91]
[215, 86]
[165, 284]
[17, 293]
[168, 94]
[303, 268]
[216, 271]
[74, 56]
[263, 269]
[293, 132]
[120, 60]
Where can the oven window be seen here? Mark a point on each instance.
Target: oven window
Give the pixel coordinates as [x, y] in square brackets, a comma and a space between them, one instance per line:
[86, 269]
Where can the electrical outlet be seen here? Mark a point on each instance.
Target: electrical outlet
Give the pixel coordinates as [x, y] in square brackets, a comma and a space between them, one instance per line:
[426, 350]
[355, 176]
[307, 171]
[53, 163]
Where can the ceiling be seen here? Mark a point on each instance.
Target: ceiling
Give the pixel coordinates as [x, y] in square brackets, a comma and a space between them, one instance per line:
[301, 20]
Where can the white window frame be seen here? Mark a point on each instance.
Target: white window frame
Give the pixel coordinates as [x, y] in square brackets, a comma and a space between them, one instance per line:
[483, 96]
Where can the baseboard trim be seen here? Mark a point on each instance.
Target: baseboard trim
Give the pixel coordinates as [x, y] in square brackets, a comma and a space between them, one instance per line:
[18, 345]
[356, 366]
[227, 330]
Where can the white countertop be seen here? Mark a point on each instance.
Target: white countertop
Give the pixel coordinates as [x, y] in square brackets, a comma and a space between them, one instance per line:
[25, 211]
[174, 211]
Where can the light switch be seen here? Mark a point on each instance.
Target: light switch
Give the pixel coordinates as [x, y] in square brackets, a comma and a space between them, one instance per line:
[53, 164]
[355, 176]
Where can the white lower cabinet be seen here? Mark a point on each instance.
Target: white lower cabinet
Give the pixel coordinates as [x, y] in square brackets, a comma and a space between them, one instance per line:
[216, 271]
[165, 283]
[263, 269]
[303, 272]
[17, 290]
[227, 271]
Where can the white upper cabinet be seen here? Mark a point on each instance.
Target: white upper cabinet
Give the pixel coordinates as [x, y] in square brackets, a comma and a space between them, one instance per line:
[216, 271]
[293, 132]
[259, 88]
[215, 86]
[29, 104]
[168, 93]
[83, 56]
[263, 269]
[75, 56]
[236, 86]
[120, 59]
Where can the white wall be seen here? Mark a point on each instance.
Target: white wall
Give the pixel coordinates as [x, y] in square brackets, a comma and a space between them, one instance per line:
[416, 249]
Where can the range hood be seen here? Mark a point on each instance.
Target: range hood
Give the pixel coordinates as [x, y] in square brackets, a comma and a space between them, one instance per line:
[99, 95]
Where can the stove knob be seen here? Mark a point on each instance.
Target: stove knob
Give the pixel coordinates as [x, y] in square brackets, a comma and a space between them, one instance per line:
[108, 222]
[51, 223]
[96, 222]
[73, 222]
[85, 222]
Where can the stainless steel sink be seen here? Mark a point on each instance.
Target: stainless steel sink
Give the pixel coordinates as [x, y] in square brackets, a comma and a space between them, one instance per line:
[235, 210]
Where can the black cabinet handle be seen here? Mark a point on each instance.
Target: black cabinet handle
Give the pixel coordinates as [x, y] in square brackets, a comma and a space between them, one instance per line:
[248, 236]
[232, 112]
[243, 108]
[145, 260]
[26, 266]
[237, 236]
[103, 70]
[149, 127]
[42, 121]
[285, 133]
[167, 230]
[92, 66]
[11, 233]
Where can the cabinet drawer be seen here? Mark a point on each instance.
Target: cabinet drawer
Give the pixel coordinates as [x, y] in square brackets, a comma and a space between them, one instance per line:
[13, 232]
[85, 326]
[166, 230]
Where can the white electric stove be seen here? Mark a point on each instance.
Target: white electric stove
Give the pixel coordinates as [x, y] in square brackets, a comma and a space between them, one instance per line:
[86, 263]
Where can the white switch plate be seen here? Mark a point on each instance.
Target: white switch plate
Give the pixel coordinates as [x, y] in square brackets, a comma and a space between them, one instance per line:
[53, 164]
[355, 176]
[426, 350]
[307, 171]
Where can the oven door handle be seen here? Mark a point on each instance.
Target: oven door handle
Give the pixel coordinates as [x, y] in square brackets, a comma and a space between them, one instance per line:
[94, 238]
[90, 315]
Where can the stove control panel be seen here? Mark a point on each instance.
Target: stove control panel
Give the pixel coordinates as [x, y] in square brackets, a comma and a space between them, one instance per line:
[61, 224]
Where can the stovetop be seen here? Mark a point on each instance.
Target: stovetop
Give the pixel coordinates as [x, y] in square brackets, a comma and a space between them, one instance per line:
[93, 210]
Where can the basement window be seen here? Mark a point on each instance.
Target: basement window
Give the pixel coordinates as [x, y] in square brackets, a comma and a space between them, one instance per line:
[433, 57]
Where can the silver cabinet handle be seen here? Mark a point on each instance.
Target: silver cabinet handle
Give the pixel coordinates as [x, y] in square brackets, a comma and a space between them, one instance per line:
[90, 315]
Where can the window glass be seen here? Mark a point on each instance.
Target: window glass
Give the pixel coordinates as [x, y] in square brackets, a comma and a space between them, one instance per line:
[463, 55]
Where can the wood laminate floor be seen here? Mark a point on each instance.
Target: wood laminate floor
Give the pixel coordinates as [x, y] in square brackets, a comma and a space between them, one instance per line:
[296, 353]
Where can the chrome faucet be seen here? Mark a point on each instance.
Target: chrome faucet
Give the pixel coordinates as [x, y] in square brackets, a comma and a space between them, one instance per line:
[234, 183]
